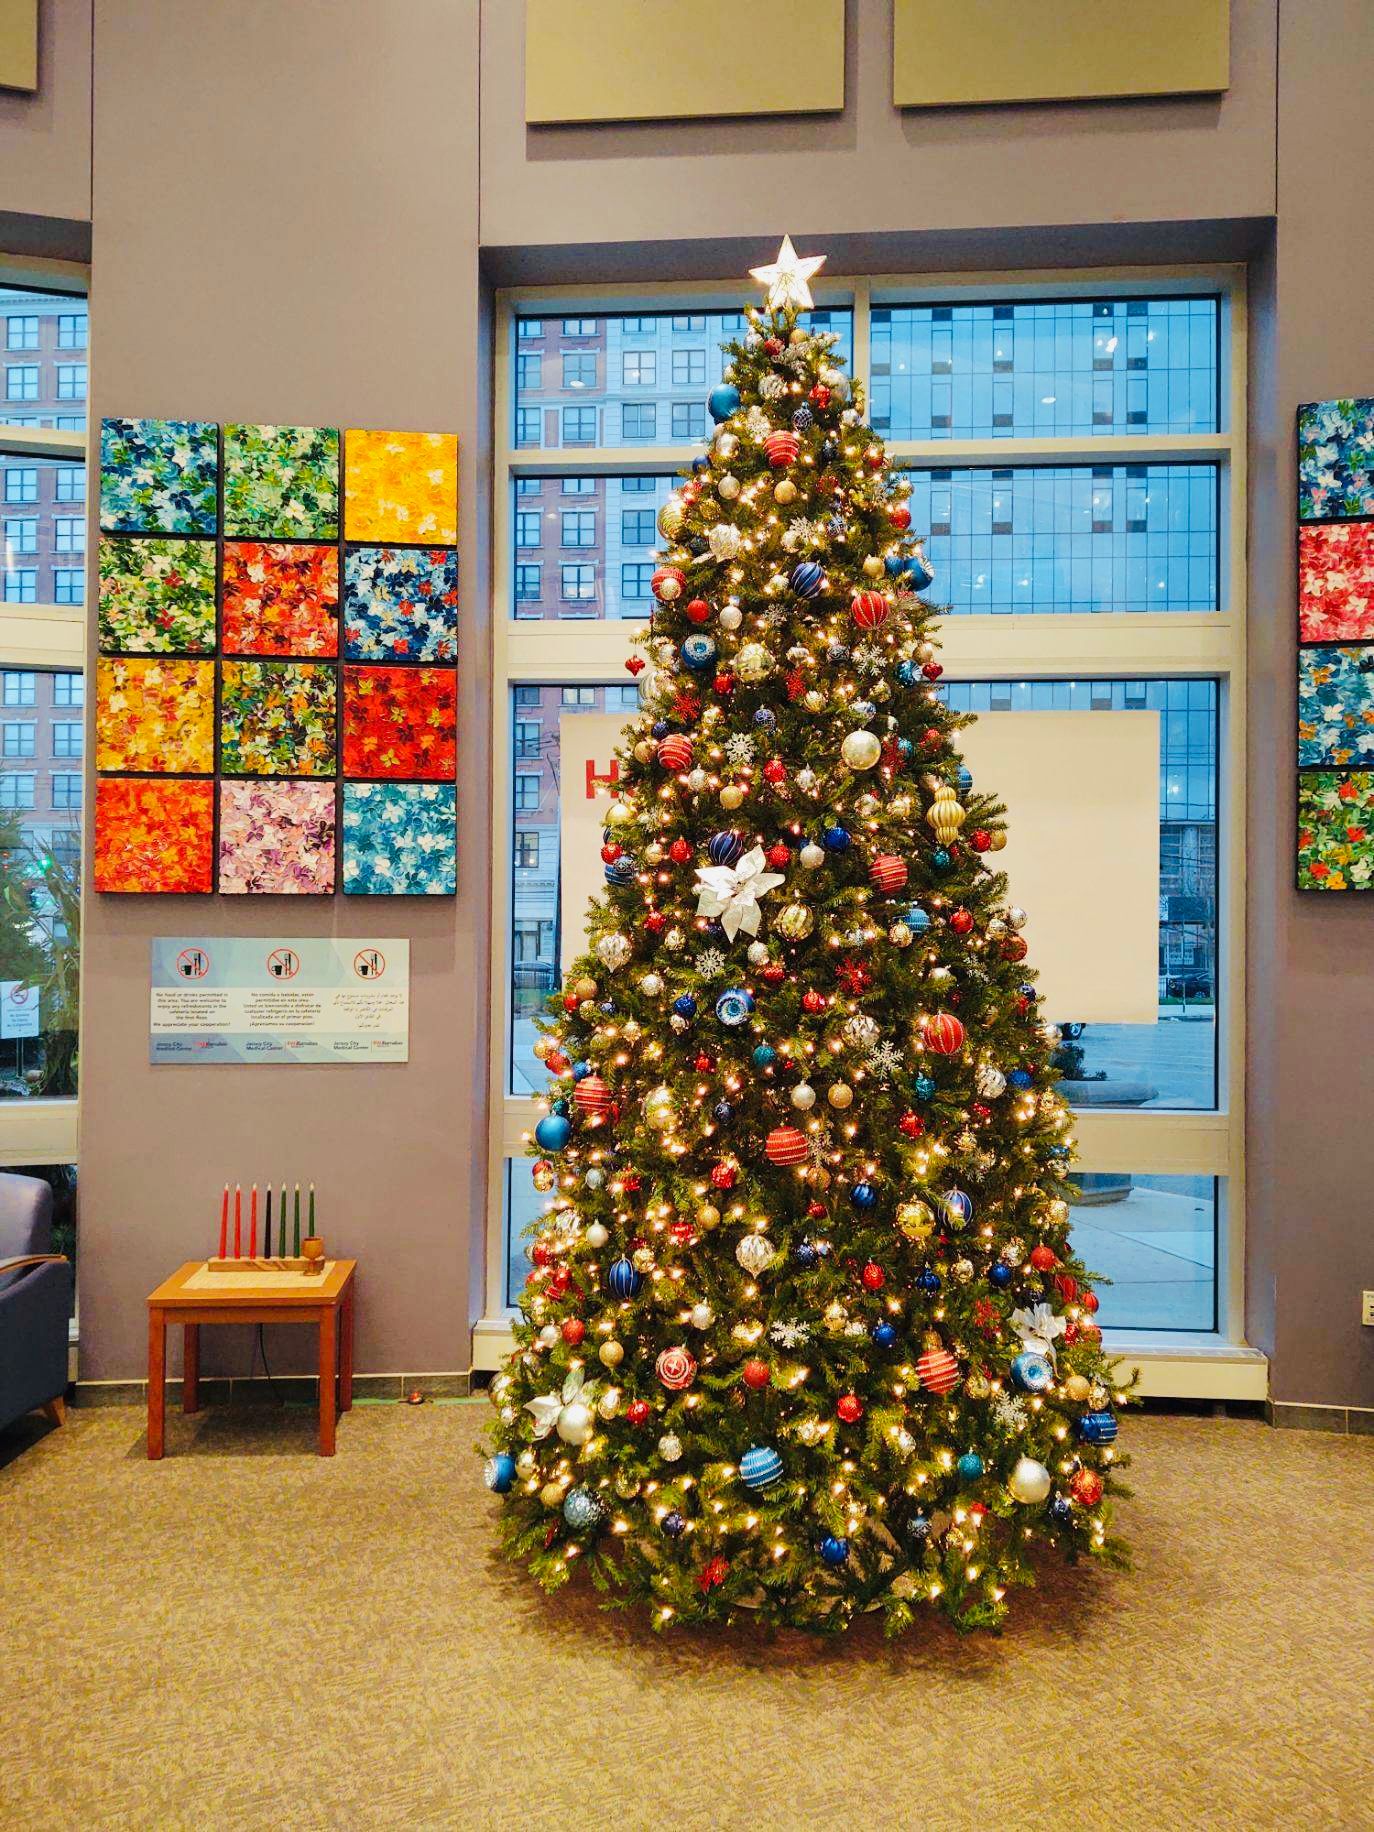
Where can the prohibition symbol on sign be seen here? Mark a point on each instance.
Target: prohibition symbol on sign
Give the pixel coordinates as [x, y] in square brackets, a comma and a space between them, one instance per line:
[193, 963]
[20, 995]
[283, 963]
[369, 964]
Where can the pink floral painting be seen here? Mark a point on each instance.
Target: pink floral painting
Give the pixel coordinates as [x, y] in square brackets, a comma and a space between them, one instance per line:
[276, 838]
[1336, 581]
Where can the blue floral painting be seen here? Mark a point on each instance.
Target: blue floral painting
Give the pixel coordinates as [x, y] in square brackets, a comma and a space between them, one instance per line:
[400, 839]
[159, 477]
[1335, 459]
[401, 604]
[1336, 706]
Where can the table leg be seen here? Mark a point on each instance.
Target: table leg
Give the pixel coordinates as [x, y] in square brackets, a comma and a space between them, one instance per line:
[190, 1367]
[346, 1353]
[157, 1370]
[329, 1331]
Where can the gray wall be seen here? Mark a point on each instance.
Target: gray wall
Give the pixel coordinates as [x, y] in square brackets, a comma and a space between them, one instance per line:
[286, 227]
[45, 139]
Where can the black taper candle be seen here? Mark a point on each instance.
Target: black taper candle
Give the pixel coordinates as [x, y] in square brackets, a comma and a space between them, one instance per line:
[267, 1227]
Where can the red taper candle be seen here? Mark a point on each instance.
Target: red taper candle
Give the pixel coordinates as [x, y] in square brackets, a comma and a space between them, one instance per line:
[238, 1222]
[224, 1224]
[253, 1224]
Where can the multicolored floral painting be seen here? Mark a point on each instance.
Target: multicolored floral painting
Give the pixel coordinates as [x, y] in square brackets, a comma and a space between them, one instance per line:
[1335, 706]
[154, 835]
[401, 487]
[277, 719]
[276, 838]
[281, 482]
[1336, 581]
[158, 476]
[1335, 459]
[280, 599]
[155, 715]
[401, 604]
[157, 596]
[399, 839]
[400, 722]
[1336, 831]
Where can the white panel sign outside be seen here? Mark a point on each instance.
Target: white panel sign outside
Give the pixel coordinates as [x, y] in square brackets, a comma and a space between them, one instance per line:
[18, 1009]
[1082, 854]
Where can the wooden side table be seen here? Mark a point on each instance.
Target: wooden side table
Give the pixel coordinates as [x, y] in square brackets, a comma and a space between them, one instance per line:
[191, 1296]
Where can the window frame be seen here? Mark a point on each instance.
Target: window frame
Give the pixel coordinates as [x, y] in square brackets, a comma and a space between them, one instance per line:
[1111, 645]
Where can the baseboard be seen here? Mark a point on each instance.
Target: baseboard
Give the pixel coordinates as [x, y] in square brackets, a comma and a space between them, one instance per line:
[1354, 1421]
[298, 1388]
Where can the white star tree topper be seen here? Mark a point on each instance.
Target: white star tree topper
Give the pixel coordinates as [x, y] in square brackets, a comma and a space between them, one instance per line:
[786, 278]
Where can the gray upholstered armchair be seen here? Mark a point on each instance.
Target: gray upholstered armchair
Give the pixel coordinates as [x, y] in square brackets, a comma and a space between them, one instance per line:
[35, 1301]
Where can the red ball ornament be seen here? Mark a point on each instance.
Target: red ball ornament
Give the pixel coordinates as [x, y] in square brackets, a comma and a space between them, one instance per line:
[873, 1276]
[813, 1001]
[724, 1175]
[683, 1232]
[541, 1255]
[775, 770]
[698, 610]
[611, 852]
[679, 852]
[572, 1331]
[774, 346]
[559, 1281]
[1090, 1302]
[676, 1368]
[888, 873]
[980, 839]
[592, 1097]
[704, 1063]
[667, 582]
[1043, 1258]
[724, 684]
[773, 973]
[779, 855]
[786, 1145]
[942, 1033]
[875, 457]
[637, 1412]
[755, 1374]
[869, 609]
[1014, 948]
[850, 1408]
[1066, 1285]
[656, 922]
[781, 449]
[815, 1211]
[571, 1001]
[930, 738]
[900, 516]
[912, 1125]
[631, 1181]
[557, 1063]
[937, 1370]
[1086, 1487]
[675, 753]
[819, 395]
[961, 921]
[1090, 1332]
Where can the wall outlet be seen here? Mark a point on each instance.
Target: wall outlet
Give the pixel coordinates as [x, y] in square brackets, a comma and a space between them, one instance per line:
[1367, 1308]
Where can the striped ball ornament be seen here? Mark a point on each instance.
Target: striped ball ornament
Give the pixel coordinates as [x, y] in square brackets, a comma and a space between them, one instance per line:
[943, 1033]
[676, 1369]
[667, 583]
[675, 752]
[807, 579]
[869, 609]
[888, 873]
[937, 1371]
[591, 1096]
[622, 1279]
[781, 449]
[786, 1145]
[760, 1467]
[1097, 1428]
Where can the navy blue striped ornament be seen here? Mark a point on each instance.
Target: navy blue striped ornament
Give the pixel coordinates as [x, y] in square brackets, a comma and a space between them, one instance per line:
[619, 871]
[1097, 1427]
[725, 848]
[760, 1467]
[622, 1280]
[834, 1550]
[807, 579]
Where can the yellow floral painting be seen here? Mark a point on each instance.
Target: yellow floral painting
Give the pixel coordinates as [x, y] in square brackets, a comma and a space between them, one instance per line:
[155, 715]
[401, 487]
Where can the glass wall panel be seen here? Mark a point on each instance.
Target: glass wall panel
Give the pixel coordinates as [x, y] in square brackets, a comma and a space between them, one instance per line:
[584, 546]
[1155, 1238]
[43, 371]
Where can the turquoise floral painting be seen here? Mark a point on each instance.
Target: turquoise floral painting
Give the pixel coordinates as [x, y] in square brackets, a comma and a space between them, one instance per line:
[281, 483]
[401, 604]
[158, 476]
[1336, 706]
[399, 839]
[1335, 459]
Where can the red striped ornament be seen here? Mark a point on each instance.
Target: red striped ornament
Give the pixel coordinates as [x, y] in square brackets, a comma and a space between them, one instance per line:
[943, 1033]
[667, 583]
[888, 873]
[786, 1145]
[869, 609]
[675, 752]
[937, 1370]
[592, 1096]
[781, 449]
[676, 1369]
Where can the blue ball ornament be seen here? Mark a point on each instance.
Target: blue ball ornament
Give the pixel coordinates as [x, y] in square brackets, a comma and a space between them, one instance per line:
[1058, 1151]
[1032, 1372]
[723, 1113]
[725, 848]
[735, 1007]
[863, 1196]
[701, 463]
[917, 920]
[698, 652]
[958, 1206]
[764, 1056]
[581, 1070]
[685, 1006]
[830, 448]
[619, 871]
[722, 401]
[929, 1281]
[1020, 1078]
[894, 564]
[905, 748]
[673, 1524]
[884, 1335]
[660, 728]
[908, 673]
[965, 779]
[940, 858]
[921, 575]
[969, 1466]
[836, 839]
[552, 1132]
[582, 1509]
[1061, 1510]
[499, 1474]
[803, 420]
[807, 579]
[1001, 1275]
[1097, 1428]
[622, 1281]
[765, 718]
[834, 1550]
[924, 1087]
[805, 1253]
[760, 1467]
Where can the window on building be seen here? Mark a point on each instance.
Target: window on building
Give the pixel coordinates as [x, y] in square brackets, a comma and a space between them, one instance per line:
[579, 371]
[71, 330]
[638, 327]
[21, 585]
[67, 737]
[528, 735]
[690, 323]
[637, 528]
[66, 790]
[16, 792]
[21, 536]
[21, 382]
[579, 426]
[634, 580]
[18, 738]
[637, 420]
[689, 420]
[527, 792]
[21, 483]
[68, 585]
[579, 527]
[70, 483]
[528, 329]
[640, 368]
[527, 852]
[580, 327]
[529, 371]
[578, 583]
[689, 368]
[22, 332]
[581, 699]
[527, 698]
[529, 486]
[70, 423]
[69, 534]
[529, 528]
[71, 381]
[526, 583]
[578, 486]
[529, 426]
[67, 690]
[640, 486]
[18, 687]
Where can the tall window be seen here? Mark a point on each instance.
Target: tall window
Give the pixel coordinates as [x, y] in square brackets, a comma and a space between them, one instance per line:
[1133, 536]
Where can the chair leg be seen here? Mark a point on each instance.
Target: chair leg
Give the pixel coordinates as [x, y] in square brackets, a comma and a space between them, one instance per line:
[55, 1411]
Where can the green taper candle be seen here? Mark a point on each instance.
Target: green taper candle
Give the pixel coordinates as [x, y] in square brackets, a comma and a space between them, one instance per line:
[296, 1219]
[312, 1208]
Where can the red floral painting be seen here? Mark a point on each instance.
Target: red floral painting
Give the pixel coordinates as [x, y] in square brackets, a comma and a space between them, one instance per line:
[280, 599]
[400, 722]
[1336, 581]
[153, 835]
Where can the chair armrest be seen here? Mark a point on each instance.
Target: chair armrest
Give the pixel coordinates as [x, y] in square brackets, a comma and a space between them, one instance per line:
[22, 1260]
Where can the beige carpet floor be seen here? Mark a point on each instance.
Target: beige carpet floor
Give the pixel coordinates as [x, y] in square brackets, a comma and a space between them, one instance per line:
[247, 1636]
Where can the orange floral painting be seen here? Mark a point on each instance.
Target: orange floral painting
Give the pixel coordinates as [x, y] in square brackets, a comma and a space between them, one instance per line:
[401, 487]
[154, 714]
[400, 722]
[280, 599]
[153, 836]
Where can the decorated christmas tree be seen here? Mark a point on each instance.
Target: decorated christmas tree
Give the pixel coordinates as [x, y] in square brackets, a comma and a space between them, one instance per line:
[804, 1334]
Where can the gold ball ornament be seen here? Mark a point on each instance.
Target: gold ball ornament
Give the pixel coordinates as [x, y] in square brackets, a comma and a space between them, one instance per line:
[585, 987]
[552, 1494]
[785, 492]
[840, 1095]
[997, 839]
[728, 487]
[899, 935]
[916, 1220]
[611, 1353]
[873, 566]
[1078, 1387]
[795, 921]
[814, 701]
[708, 1216]
[731, 796]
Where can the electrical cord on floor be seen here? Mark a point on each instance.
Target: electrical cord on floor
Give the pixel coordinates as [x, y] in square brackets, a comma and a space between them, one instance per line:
[261, 1349]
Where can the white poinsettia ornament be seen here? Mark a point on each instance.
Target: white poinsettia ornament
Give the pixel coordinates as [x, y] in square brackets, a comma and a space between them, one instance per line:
[1038, 1328]
[732, 892]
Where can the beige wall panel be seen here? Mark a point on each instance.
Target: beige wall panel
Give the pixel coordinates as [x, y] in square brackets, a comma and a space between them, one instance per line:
[677, 60]
[19, 44]
[45, 137]
[948, 53]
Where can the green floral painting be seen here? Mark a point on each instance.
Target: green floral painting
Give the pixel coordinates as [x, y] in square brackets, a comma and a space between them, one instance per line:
[281, 482]
[157, 596]
[1335, 830]
[278, 719]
